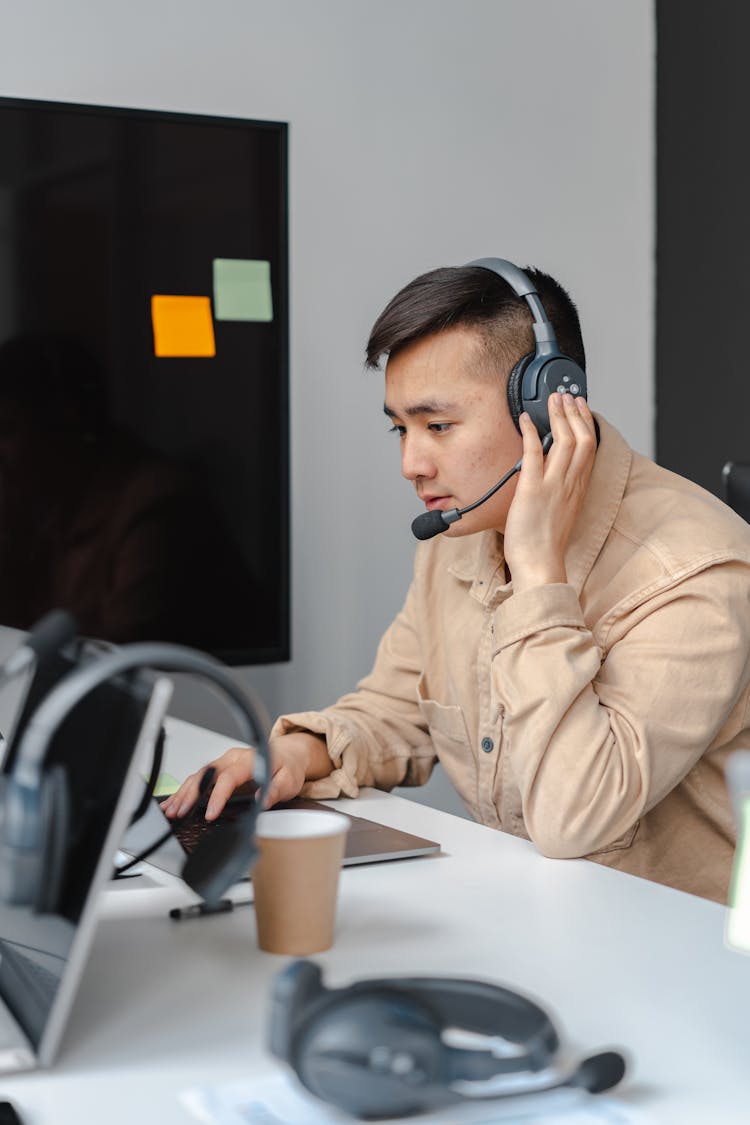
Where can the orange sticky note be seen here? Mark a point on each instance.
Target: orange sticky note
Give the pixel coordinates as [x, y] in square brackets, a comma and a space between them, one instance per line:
[183, 326]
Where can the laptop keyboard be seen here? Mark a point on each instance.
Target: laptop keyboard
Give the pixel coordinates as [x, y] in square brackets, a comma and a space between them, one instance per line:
[197, 827]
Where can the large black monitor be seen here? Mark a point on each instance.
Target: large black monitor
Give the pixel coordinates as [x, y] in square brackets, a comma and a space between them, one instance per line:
[144, 435]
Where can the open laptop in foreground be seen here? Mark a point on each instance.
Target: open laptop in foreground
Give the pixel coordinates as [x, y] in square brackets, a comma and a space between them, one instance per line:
[366, 842]
[42, 956]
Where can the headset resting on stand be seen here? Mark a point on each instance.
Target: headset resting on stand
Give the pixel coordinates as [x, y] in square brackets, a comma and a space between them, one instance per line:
[35, 800]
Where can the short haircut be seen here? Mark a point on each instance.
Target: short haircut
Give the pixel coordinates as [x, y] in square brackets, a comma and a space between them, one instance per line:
[476, 298]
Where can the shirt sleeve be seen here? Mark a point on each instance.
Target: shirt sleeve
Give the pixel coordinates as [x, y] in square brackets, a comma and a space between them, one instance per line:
[375, 735]
[598, 733]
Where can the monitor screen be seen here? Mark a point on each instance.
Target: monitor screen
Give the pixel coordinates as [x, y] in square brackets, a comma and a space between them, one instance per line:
[144, 439]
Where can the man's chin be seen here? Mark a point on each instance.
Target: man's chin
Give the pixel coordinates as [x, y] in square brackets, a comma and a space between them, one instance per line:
[461, 528]
[466, 526]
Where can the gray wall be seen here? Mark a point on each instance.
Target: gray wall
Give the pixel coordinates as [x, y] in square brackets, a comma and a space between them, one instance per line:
[422, 133]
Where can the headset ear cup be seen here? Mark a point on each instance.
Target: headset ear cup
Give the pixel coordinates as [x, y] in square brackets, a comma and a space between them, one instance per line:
[54, 834]
[515, 383]
[373, 1054]
[9, 841]
[20, 856]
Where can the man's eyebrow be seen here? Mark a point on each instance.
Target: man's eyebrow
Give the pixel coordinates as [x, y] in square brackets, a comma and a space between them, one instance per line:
[430, 406]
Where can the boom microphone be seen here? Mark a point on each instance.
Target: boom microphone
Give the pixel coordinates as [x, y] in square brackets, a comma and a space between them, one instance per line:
[598, 1073]
[595, 1073]
[432, 523]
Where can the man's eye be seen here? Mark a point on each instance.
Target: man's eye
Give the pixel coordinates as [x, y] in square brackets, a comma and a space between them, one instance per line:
[400, 430]
[440, 427]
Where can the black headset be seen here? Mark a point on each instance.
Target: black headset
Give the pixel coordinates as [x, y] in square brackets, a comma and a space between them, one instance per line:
[533, 378]
[376, 1049]
[537, 374]
[35, 817]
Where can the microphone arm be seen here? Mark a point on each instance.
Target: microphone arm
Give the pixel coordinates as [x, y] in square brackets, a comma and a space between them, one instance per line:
[432, 523]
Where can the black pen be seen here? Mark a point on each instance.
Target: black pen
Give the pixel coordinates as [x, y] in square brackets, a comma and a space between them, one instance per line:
[203, 909]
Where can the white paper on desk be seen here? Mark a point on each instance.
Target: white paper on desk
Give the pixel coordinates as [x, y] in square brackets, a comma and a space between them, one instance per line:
[278, 1100]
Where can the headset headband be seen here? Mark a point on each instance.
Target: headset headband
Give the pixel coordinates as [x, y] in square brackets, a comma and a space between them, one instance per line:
[78, 683]
[544, 333]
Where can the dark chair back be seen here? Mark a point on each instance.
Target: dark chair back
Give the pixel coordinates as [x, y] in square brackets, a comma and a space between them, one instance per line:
[735, 487]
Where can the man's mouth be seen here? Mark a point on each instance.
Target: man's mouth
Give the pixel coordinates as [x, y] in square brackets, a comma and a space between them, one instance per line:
[436, 503]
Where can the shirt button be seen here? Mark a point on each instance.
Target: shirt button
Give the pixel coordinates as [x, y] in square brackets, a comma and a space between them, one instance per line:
[488, 745]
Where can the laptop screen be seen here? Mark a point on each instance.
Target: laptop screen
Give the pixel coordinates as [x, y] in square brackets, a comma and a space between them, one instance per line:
[99, 747]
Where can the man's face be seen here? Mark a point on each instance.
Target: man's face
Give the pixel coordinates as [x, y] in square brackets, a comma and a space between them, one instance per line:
[457, 436]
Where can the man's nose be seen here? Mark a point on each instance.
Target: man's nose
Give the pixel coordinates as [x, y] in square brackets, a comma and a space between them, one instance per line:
[416, 460]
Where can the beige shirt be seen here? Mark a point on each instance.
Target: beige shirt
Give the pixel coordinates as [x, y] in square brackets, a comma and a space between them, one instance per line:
[593, 717]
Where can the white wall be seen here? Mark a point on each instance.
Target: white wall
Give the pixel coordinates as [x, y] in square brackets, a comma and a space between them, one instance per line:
[422, 133]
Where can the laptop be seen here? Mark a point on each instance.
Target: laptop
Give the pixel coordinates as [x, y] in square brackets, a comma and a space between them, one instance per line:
[42, 956]
[366, 840]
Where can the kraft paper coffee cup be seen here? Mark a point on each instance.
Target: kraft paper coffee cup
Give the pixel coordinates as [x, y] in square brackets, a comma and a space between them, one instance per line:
[296, 879]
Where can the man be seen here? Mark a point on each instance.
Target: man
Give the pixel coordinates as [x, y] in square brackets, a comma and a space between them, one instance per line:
[575, 650]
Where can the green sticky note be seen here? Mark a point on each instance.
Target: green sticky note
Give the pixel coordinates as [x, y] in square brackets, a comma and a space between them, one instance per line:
[738, 915]
[166, 785]
[242, 289]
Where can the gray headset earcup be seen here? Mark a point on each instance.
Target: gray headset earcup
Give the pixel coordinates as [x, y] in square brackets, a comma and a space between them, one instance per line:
[53, 839]
[19, 843]
[543, 376]
[351, 1051]
[515, 382]
[7, 850]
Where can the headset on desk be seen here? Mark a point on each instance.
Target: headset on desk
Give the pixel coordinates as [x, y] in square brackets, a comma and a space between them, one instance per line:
[377, 1048]
[35, 794]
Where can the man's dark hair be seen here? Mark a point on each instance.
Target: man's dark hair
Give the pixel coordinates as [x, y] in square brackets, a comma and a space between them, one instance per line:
[474, 297]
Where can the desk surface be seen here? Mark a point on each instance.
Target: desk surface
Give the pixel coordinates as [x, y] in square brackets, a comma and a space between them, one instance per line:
[616, 960]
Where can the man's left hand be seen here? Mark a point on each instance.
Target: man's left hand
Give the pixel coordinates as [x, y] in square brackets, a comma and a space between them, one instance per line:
[550, 493]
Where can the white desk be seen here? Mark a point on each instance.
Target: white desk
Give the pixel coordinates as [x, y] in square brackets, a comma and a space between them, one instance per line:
[616, 961]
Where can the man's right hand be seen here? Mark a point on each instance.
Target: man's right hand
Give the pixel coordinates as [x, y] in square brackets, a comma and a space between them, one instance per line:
[295, 758]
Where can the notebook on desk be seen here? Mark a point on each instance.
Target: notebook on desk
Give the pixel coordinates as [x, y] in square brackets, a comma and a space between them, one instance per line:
[43, 955]
[367, 841]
